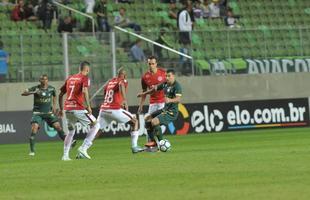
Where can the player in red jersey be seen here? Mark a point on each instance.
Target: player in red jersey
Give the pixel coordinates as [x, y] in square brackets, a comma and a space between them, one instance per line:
[76, 88]
[115, 107]
[154, 76]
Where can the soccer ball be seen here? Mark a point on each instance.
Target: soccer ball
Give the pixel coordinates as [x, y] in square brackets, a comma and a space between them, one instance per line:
[164, 145]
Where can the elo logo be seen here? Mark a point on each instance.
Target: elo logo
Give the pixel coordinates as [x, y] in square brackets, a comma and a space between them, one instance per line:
[185, 128]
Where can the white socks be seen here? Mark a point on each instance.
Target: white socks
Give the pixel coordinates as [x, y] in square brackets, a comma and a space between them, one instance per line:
[88, 141]
[134, 138]
[163, 128]
[68, 141]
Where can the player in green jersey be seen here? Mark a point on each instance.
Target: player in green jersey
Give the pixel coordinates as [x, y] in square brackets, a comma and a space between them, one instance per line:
[173, 94]
[44, 109]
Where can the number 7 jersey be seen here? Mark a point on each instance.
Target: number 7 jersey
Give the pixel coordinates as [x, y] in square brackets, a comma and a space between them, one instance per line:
[74, 89]
[113, 97]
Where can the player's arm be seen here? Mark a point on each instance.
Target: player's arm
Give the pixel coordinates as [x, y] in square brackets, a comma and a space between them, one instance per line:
[63, 91]
[30, 91]
[54, 102]
[153, 89]
[177, 99]
[86, 98]
[123, 92]
[142, 100]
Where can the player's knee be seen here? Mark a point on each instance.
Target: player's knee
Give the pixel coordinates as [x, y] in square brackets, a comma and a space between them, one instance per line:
[148, 125]
[147, 117]
[57, 126]
[155, 122]
[70, 127]
[34, 128]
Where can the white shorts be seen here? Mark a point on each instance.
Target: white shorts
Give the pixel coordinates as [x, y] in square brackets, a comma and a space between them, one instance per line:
[155, 107]
[105, 117]
[81, 116]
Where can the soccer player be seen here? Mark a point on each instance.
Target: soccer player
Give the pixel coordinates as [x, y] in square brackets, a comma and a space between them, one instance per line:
[44, 109]
[154, 76]
[173, 93]
[77, 108]
[115, 107]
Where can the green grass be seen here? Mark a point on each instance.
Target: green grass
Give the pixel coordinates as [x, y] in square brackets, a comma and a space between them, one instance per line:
[266, 164]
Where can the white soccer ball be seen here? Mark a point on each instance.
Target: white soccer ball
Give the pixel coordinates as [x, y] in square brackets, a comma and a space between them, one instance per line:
[164, 145]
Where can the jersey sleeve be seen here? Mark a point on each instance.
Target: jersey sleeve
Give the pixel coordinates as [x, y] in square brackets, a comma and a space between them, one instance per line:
[178, 90]
[54, 92]
[160, 86]
[86, 82]
[32, 89]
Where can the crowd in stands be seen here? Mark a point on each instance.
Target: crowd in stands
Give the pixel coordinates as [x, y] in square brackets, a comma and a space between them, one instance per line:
[184, 12]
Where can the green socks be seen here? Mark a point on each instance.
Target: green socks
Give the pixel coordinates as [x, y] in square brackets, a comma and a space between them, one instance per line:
[32, 142]
[158, 132]
[61, 135]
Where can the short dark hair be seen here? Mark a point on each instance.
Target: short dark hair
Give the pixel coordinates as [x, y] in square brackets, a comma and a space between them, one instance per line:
[152, 57]
[83, 65]
[171, 71]
[44, 75]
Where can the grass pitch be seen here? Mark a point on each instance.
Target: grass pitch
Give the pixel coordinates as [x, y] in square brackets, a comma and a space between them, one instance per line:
[266, 164]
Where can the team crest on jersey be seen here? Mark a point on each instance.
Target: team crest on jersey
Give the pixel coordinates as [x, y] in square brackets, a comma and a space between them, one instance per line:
[160, 78]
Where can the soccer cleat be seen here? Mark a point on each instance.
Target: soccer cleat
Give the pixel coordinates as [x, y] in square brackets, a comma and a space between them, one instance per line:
[65, 158]
[151, 149]
[137, 149]
[73, 144]
[32, 154]
[151, 144]
[83, 153]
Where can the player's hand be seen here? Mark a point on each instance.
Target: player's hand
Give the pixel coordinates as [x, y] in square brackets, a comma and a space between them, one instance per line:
[140, 94]
[125, 105]
[89, 110]
[60, 113]
[167, 100]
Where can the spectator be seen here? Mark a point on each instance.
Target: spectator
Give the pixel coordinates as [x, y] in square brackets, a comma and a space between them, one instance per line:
[66, 25]
[185, 23]
[29, 11]
[136, 52]
[4, 59]
[223, 7]
[89, 4]
[45, 12]
[161, 40]
[214, 9]
[205, 9]
[198, 10]
[102, 15]
[18, 13]
[173, 10]
[123, 21]
[231, 20]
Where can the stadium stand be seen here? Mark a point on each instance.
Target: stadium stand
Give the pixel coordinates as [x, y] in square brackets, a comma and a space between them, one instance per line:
[270, 29]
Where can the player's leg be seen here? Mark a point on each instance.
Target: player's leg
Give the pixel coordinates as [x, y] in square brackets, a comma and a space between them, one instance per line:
[71, 120]
[150, 128]
[34, 131]
[87, 119]
[35, 121]
[123, 116]
[52, 121]
[61, 134]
